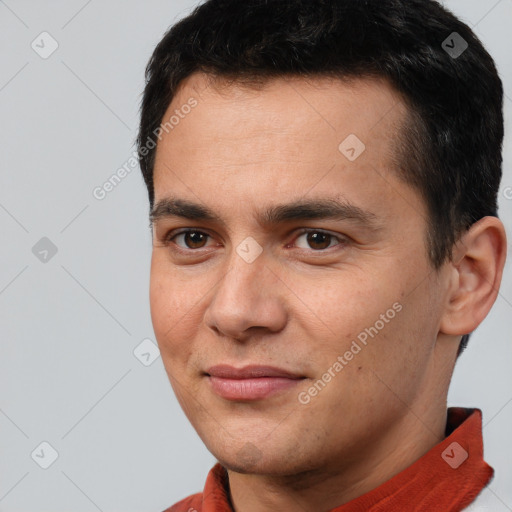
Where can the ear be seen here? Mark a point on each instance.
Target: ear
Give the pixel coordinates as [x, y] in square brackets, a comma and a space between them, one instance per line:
[476, 272]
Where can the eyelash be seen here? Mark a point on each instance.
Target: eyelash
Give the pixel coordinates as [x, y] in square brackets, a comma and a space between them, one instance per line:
[168, 239]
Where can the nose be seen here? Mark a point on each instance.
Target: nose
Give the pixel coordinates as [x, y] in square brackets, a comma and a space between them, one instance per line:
[248, 298]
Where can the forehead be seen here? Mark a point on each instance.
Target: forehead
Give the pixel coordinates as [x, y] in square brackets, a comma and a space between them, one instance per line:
[286, 136]
[288, 115]
[325, 97]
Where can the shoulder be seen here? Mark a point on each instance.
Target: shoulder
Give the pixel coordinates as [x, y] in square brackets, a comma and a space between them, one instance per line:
[192, 503]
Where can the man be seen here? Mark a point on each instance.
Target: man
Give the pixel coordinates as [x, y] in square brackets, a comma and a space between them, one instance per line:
[323, 178]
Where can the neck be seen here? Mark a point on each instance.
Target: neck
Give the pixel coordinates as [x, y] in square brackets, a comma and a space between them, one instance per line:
[323, 489]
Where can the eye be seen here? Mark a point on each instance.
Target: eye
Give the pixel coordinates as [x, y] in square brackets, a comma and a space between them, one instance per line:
[192, 238]
[315, 239]
[318, 240]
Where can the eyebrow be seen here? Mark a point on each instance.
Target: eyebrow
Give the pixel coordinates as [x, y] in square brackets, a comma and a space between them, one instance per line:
[312, 209]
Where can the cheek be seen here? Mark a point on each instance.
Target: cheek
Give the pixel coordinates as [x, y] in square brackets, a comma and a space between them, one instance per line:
[346, 305]
[176, 303]
[369, 323]
[167, 308]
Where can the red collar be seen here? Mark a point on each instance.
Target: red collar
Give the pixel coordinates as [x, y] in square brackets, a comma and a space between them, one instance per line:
[446, 479]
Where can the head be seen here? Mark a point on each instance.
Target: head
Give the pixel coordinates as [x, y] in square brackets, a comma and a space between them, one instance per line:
[352, 120]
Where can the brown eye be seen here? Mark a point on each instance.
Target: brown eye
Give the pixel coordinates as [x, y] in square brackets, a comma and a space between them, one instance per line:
[192, 239]
[317, 240]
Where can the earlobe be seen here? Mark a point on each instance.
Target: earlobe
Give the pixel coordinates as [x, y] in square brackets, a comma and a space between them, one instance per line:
[477, 269]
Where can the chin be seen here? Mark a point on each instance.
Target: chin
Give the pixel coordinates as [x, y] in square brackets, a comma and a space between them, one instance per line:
[249, 459]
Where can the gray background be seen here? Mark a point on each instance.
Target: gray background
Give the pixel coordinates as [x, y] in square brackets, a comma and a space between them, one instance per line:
[70, 324]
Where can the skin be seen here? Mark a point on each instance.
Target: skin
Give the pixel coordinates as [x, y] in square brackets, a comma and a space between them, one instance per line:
[300, 303]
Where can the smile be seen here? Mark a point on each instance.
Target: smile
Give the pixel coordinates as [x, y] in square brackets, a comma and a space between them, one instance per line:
[251, 382]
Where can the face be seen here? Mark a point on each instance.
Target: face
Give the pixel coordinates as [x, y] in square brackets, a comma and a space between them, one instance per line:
[304, 266]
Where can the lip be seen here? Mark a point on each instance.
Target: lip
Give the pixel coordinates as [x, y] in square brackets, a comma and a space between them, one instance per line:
[251, 382]
[226, 371]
